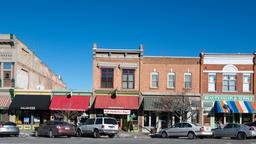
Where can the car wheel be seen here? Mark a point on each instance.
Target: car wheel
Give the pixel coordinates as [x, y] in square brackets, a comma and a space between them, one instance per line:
[241, 136]
[50, 134]
[191, 135]
[214, 136]
[78, 133]
[96, 133]
[36, 133]
[111, 135]
[164, 135]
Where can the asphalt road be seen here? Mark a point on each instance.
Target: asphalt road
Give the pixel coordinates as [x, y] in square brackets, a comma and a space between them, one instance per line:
[105, 140]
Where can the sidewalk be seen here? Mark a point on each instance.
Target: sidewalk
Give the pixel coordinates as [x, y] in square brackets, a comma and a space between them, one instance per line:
[26, 133]
[123, 134]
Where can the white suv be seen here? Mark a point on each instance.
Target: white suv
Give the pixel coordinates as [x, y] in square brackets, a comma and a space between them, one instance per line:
[98, 126]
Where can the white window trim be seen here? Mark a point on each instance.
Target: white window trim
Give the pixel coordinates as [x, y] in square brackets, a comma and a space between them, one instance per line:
[250, 89]
[151, 74]
[229, 74]
[187, 73]
[168, 74]
[215, 82]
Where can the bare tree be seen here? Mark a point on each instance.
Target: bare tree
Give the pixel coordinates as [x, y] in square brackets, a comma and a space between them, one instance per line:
[67, 115]
[179, 105]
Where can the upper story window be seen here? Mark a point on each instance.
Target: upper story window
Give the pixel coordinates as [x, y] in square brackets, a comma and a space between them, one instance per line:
[229, 82]
[187, 80]
[246, 82]
[107, 77]
[7, 66]
[171, 80]
[154, 80]
[212, 82]
[128, 79]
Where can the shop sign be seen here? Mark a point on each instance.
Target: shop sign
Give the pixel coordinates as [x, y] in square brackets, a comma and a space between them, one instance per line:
[228, 98]
[28, 108]
[122, 112]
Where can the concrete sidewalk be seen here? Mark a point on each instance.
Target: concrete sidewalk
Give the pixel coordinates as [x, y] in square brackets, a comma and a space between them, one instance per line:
[123, 134]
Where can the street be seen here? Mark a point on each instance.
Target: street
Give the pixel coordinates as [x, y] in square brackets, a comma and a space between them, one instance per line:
[105, 140]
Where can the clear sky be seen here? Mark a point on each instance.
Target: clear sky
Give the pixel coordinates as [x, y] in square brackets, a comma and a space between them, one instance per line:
[62, 32]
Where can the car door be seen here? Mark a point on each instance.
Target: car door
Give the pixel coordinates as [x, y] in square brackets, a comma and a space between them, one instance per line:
[185, 128]
[90, 126]
[85, 126]
[174, 130]
[226, 131]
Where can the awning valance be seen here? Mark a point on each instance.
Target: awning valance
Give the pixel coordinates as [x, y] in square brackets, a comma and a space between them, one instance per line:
[30, 102]
[234, 107]
[72, 103]
[118, 102]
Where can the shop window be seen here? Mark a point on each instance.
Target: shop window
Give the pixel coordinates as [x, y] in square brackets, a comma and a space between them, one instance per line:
[154, 80]
[107, 77]
[187, 80]
[207, 120]
[246, 83]
[229, 83]
[128, 79]
[212, 82]
[171, 80]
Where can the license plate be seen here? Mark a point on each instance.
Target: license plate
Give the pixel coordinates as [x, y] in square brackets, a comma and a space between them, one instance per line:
[67, 128]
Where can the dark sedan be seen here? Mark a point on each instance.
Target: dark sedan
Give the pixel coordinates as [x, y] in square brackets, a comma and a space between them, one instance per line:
[9, 128]
[55, 128]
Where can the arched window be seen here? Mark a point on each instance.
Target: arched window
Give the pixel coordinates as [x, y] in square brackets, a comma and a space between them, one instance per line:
[229, 78]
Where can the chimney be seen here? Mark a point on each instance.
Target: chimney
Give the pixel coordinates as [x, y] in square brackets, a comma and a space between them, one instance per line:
[141, 50]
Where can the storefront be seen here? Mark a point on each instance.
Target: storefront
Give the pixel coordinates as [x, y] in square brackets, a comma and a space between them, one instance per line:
[30, 110]
[157, 116]
[69, 107]
[228, 109]
[123, 108]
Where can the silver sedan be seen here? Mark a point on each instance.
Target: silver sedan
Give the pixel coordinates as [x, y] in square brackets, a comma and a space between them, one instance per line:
[190, 130]
[234, 130]
[9, 128]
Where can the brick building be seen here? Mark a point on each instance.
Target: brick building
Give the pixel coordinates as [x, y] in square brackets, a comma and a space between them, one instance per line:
[163, 78]
[21, 70]
[227, 88]
[116, 84]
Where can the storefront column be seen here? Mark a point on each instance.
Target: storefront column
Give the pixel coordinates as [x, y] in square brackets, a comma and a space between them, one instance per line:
[32, 119]
[225, 120]
[240, 118]
[149, 119]
[190, 117]
[158, 123]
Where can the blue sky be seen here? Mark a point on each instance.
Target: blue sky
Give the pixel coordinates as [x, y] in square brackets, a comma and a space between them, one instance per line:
[62, 32]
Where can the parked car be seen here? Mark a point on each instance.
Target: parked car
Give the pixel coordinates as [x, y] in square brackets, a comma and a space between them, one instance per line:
[190, 130]
[98, 126]
[55, 128]
[9, 128]
[234, 130]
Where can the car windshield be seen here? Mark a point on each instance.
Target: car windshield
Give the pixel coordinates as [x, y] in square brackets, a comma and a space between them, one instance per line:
[110, 121]
[9, 123]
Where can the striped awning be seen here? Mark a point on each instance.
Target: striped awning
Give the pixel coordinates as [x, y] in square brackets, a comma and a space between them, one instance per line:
[5, 101]
[234, 107]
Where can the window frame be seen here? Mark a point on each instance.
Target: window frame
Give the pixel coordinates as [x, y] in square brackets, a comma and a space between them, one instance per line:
[107, 81]
[151, 80]
[228, 82]
[247, 75]
[215, 82]
[168, 80]
[127, 79]
[189, 74]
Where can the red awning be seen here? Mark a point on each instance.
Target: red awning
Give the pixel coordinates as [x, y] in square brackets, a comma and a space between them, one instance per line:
[5, 101]
[119, 102]
[73, 103]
